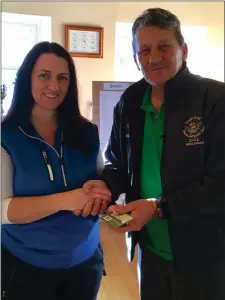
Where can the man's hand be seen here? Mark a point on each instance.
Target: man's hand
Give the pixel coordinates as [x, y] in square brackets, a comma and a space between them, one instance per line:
[141, 210]
[100, 203]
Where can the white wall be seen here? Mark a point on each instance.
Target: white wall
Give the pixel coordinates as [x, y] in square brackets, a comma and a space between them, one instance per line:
[106, 14]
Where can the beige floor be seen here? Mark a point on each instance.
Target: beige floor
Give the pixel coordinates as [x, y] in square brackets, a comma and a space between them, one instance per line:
[121, 280]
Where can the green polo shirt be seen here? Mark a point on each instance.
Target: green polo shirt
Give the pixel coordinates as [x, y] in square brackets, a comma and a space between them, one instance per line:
[155, 233]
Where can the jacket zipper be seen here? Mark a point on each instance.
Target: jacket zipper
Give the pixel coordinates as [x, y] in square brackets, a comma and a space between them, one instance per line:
[129, 165]
[48, 166]
[64, 175]
[45, 158]
[163, 150]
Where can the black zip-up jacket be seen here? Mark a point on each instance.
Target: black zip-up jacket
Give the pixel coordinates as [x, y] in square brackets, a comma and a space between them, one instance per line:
[192, 168]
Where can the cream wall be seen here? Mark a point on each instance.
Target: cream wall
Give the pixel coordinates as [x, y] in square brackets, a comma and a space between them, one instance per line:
[96, 14]
[106, 14]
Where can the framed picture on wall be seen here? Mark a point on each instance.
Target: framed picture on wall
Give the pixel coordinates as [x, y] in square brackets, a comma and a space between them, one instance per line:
[84, 41]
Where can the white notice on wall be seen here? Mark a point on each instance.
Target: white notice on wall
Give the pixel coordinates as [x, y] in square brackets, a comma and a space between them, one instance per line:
[108, 100]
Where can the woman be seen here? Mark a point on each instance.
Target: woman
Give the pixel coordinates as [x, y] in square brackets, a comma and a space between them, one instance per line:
[49, 151]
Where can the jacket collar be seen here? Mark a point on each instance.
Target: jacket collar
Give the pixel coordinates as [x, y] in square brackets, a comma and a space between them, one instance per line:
[173, 86]
[178, 78]
[28, 128]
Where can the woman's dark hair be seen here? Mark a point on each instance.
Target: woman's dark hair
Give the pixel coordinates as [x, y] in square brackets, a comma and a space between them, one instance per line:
[69, 114]
[160, 18]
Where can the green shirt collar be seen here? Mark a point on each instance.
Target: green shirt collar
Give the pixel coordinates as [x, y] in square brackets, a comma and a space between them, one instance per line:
[146, 103]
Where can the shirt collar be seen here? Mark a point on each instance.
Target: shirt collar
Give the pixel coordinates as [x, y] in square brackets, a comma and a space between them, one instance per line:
[147, 105]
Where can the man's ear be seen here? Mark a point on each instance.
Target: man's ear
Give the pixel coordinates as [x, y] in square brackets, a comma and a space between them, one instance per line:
[185, 52]
[136, 62]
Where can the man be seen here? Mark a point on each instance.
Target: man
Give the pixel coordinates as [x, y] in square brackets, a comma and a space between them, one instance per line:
[167, 153]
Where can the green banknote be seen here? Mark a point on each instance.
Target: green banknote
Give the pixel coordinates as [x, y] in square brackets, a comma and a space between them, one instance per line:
[117, 220]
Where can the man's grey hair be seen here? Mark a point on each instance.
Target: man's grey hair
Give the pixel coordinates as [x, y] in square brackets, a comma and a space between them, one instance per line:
[160, 18]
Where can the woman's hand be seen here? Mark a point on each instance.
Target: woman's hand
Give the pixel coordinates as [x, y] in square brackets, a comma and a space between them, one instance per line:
[100, 198]
[74, 199]
[78, 198]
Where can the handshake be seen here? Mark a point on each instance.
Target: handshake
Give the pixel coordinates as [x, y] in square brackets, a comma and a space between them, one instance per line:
[92, 199]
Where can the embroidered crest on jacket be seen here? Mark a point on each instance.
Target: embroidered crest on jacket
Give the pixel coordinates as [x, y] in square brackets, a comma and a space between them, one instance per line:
[193, 130]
